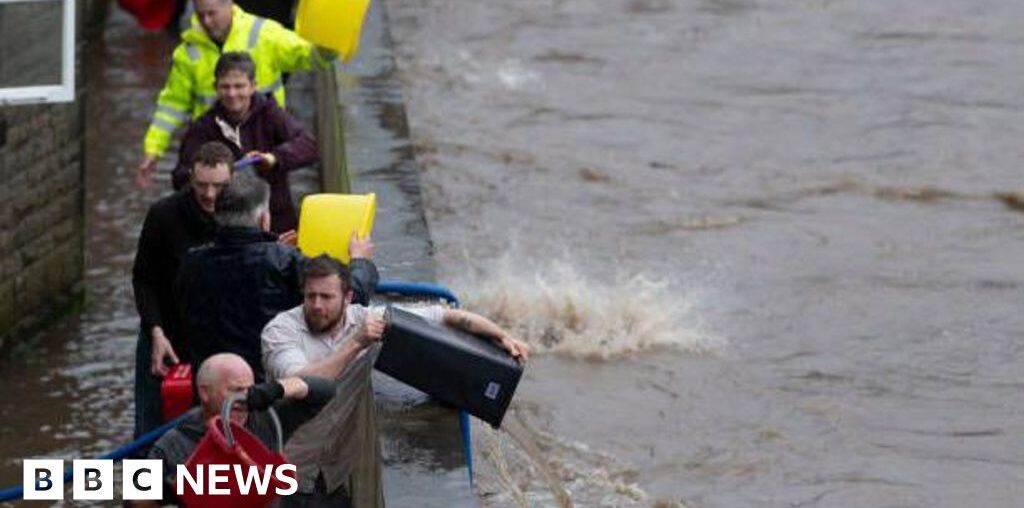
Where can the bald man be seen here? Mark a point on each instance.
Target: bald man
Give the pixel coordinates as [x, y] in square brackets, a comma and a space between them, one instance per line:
[295, 399]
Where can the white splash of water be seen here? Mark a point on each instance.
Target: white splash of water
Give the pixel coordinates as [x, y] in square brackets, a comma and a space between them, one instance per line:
[514, 75]
[557, 310]
[524, 467]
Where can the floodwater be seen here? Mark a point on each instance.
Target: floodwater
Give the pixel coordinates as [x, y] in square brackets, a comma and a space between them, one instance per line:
[762, 249]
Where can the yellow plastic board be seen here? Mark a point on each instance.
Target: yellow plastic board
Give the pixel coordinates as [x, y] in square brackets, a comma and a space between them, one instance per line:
[332, 24]
[327, 221]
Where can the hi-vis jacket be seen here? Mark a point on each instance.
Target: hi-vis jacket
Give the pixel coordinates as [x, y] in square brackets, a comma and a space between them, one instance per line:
[189, 91]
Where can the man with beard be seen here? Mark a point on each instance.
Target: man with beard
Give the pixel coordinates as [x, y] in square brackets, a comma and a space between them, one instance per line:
[323, 335]
[229, 289]
[327, 336]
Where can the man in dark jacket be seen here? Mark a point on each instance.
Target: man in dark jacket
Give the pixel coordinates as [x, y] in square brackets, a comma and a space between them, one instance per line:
[172, 226]
[252, 125]
[229, 289]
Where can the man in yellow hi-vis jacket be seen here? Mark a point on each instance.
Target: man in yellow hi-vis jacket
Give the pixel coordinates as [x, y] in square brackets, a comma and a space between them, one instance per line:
[220, 26]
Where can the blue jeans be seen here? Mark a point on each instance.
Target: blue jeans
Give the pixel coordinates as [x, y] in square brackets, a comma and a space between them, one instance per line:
[148, 411]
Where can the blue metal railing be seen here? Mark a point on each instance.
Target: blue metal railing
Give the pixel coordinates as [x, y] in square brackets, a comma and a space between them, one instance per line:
[13, 493]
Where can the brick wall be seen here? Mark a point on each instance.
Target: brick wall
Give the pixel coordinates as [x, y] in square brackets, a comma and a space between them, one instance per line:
[41, 208]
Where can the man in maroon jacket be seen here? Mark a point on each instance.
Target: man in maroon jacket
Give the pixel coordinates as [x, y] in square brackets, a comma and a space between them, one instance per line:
[252, 125]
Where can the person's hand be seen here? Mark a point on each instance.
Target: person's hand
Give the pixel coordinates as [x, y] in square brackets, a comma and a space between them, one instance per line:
[290, 237]
[267, 161]
[260, 397]
[144, 173]
[360, 248]
[373, 329]
[517, 348]
[294, 388]
[162, 350]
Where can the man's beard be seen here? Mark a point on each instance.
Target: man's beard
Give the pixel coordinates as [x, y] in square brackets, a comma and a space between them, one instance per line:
[328, 324]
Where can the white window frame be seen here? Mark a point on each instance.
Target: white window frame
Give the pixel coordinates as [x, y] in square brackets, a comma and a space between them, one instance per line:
[65, 91]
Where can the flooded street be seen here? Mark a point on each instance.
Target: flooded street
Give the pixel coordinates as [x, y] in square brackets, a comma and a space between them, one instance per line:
[758, 242]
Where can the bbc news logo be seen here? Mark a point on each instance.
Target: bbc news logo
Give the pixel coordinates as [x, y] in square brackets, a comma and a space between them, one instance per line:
[43, 479]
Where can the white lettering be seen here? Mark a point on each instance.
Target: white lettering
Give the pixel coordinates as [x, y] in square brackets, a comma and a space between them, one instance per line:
[183, 475]
[287, 479]
[221, 479]
[253, 476]
[218, 474]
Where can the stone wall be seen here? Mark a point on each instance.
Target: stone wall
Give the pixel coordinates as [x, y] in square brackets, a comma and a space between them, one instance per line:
[41, 202]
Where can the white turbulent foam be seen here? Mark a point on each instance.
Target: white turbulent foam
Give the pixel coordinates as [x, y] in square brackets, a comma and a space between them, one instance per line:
[556, 309]
[514, 75]
[513, 474]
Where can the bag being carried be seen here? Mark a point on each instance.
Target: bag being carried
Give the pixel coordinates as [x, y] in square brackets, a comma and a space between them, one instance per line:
[461, 369]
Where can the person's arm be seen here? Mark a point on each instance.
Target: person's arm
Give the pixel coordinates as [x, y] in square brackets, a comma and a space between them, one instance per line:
[173, 108]
[291, 52]
[282, 353]
[146, 271]
[480, 325]
[301, 399]
[296, 147]
[145, 275]
[334, 364]
[363, 272]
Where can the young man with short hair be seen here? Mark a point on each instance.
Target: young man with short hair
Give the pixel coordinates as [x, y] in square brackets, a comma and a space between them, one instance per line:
[220, 26]
[173, 225]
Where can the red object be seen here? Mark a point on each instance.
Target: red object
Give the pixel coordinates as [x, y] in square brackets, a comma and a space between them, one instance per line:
[247, 450]
[151, 14]
[176, 391]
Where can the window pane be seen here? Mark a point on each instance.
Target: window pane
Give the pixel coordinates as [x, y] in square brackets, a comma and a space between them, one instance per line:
[30, 45]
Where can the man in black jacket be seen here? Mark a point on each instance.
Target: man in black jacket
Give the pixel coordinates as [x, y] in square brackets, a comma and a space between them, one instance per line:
[229, 289]
[172, 226]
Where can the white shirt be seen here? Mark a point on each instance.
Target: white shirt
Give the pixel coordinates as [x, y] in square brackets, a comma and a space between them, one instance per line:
[288, 344]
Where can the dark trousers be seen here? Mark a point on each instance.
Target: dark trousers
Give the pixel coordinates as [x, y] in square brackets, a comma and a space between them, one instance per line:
[148, 413]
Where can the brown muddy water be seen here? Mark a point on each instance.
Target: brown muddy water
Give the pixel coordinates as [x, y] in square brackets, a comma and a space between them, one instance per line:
[757, 244]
